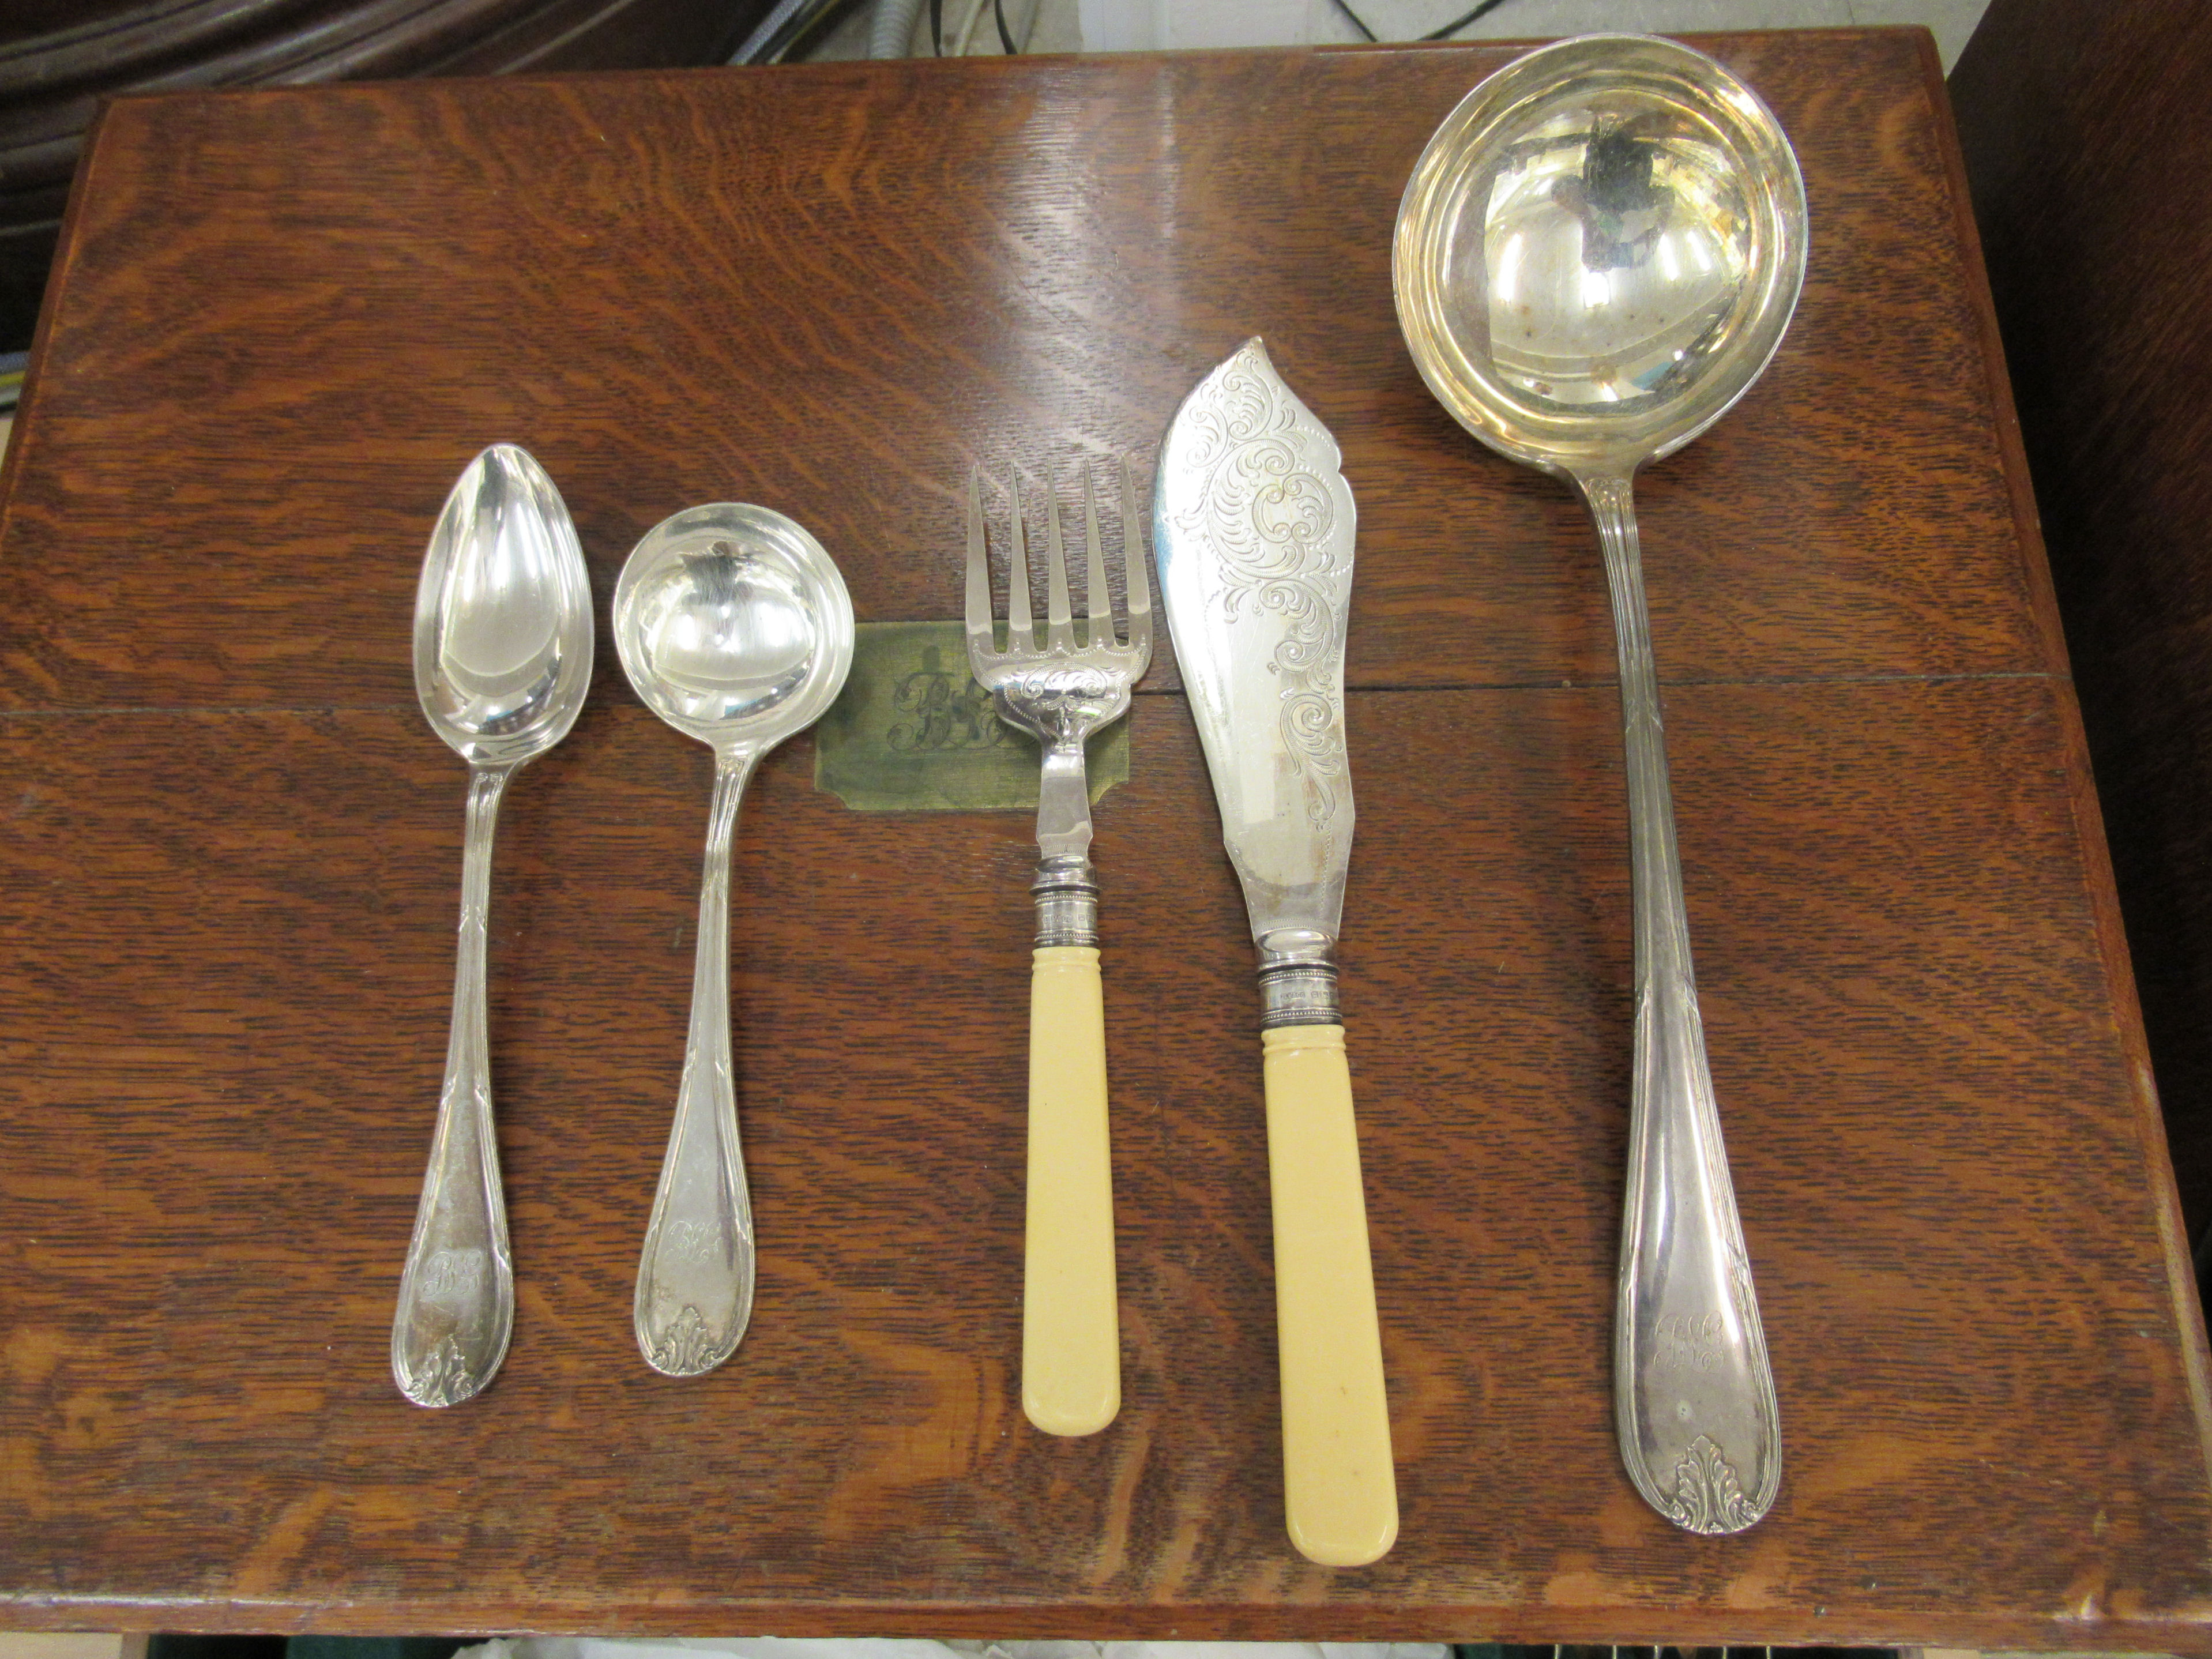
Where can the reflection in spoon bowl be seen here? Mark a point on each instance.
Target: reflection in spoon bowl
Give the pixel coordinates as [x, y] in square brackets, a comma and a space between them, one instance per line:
[502, 614]
[734, 627]
[1599, 251]
[727, 633]
[1618, 239]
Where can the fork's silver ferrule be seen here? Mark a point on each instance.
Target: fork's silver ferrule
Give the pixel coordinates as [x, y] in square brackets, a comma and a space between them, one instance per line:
[1066, 894]
[1297, 979]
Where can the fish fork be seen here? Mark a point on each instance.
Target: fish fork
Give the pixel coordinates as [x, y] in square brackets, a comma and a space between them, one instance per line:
[1060, 692]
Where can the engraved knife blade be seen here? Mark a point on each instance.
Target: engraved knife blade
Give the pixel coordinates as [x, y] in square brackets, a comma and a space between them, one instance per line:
[1253, 530]
[1253, 526]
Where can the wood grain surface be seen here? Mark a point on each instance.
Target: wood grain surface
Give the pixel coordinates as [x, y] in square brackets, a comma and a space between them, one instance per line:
[228, 862]
[832, 289]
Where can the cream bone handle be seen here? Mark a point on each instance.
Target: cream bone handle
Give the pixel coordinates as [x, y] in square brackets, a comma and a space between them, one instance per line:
[1071, 1326]
[1339, 1489]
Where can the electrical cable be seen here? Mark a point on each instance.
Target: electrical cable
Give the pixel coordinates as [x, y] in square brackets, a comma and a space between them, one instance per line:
[1028, 28]
[789, 29]
[1450, 29]
[769, 31]
[1444, 33]
[1356, 21]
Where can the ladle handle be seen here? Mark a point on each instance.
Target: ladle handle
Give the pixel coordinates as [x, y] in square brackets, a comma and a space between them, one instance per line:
[457, 1293]
[695, 1281]
[1693, 1394]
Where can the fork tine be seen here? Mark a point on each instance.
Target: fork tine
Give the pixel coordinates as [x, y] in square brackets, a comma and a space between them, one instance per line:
[1061, 631]
[1132, 569]
[1100, 598]
[1020, 636]
[979, 574]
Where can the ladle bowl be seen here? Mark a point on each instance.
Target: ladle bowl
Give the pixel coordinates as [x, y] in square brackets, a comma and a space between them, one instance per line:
[1599, 251]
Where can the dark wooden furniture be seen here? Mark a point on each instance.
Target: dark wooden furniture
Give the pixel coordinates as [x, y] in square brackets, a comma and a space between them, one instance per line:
[2089, 146]
[284, 320]
[59, 58]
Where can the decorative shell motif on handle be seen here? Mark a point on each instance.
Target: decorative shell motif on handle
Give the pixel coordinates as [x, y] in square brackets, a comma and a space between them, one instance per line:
[688, 1346]
[1274, 508]
[444, 1378]
[1708, 1498]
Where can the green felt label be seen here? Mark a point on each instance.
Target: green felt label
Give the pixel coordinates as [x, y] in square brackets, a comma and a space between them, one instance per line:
[913, 732]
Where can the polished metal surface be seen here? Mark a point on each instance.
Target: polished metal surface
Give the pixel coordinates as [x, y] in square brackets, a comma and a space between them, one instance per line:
[1253, 526]
[502, 660]
[735, 627]
[1599, 251]
[1596, 255]
[1057, 689]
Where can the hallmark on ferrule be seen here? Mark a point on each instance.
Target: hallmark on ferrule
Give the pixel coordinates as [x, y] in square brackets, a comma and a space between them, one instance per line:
[1297, 978]
[1298, 994]
[1066, 894]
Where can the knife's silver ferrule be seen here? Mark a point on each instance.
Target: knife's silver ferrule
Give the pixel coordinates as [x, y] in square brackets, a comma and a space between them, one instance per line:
[1066, 893]
[1297, 979]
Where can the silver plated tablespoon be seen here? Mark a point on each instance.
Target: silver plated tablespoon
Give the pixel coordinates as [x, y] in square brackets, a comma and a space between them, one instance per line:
[502, 660]
[1596, 255]
[735, 627]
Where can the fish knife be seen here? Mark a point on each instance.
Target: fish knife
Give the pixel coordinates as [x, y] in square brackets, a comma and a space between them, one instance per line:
[1253, 529]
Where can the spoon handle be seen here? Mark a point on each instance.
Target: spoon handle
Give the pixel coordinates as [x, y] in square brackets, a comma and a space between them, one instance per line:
[1694, 1394]
[457, 1293]
[695, 1283]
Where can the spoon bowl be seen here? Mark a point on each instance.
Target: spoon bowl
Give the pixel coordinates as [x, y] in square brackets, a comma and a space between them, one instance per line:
[1599, 251]
[502, 614]
[734, 627]
[1596, 254]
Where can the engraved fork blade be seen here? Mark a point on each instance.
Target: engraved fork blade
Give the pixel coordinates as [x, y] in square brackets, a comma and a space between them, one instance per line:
[1060, 692]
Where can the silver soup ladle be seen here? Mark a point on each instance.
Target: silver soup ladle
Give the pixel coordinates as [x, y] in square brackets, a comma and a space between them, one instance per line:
[502, 660]
[735, 627]
[1596, 255]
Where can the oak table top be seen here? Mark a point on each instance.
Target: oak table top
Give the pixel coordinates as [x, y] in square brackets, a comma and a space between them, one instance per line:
[281, 323]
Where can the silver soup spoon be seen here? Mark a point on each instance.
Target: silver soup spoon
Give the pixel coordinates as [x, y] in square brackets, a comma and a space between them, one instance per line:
[502, 660]
[735, 627]
[1596, 254]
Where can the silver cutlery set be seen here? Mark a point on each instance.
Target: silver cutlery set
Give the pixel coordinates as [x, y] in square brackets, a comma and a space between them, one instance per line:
[735, 627]
[1596, 255]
